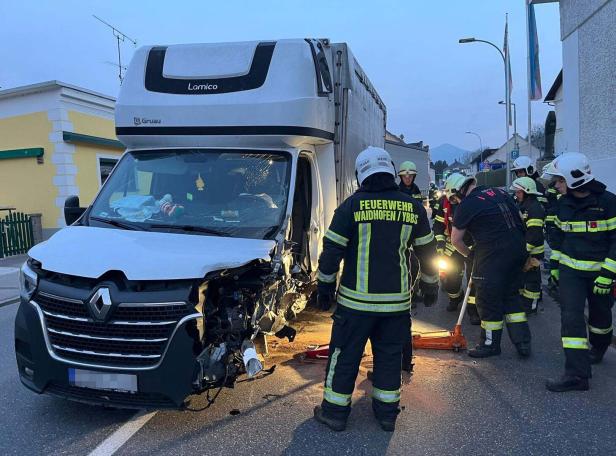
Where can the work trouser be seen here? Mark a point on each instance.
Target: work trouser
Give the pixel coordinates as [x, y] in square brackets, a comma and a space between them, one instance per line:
[575, 289]
[350, 333]
[531, 292]
[452, 282]
[471, 308]
[497, 274]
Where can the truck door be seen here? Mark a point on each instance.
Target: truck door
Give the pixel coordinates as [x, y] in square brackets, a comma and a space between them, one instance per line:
[306, 215]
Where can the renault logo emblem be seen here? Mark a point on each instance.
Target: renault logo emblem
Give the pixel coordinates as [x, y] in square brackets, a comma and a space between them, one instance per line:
[100, 303]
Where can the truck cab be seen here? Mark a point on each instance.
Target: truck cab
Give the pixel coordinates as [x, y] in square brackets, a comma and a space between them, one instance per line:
[207, 232]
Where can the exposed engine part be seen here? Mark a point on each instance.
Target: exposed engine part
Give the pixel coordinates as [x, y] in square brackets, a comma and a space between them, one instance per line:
[287, 332]
[237, 305]
[251, 361]
[211, 369]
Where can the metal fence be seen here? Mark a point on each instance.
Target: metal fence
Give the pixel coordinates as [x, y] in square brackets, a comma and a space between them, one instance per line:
[16, 235]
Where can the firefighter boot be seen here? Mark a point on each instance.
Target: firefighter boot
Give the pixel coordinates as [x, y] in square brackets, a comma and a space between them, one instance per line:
[333, 424]
[567, 383]
[473, 315]
[387, 425]
[454, 303]
[595, 355]
[490, 344]
[523, 349]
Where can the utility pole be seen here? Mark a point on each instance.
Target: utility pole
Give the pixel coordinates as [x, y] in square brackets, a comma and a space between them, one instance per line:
[119, 36]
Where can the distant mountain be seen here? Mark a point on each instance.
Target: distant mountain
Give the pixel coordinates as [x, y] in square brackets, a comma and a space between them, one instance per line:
[447, 152]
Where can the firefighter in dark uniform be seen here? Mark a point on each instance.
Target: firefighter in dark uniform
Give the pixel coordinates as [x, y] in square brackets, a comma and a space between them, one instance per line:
[453, 263]
[583, 261]
[533, 215]
[492, 218]
[372, 231]
[432, 196]
[407, 174]
[552, 196]
[523, 166]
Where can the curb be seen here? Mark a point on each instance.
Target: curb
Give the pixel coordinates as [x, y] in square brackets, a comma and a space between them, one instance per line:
[6, 270]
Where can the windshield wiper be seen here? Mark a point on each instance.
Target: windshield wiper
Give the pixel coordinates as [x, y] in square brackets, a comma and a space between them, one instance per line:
[196, 229]
[118, 224]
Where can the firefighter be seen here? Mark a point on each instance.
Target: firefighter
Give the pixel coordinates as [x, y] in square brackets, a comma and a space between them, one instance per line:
[407, 185]
[533, 215]
[499, 253]
[552, 197]
[583, 262]
[372, 231]
[432, 196]
[453, 262]
[407, 174]
[523, 166]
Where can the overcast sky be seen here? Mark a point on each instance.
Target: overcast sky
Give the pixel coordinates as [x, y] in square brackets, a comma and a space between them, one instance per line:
[435, 89]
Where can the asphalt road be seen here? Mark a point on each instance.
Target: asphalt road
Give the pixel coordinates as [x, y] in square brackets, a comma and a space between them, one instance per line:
[452, 405]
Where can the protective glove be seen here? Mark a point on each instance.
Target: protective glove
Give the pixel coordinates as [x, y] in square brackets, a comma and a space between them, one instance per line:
[440, 247]
[430, 293]
[603, 285]
[325, 299]
[554, 276]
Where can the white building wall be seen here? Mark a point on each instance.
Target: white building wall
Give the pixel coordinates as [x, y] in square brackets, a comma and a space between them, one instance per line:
[501, 153]
[571, 94]
[588, 32]
[560, 110]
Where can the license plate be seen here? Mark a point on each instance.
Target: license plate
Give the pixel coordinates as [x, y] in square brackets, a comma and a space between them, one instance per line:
[102, 380]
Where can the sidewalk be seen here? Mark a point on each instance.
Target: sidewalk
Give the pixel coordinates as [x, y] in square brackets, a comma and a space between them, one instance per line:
[9, 278]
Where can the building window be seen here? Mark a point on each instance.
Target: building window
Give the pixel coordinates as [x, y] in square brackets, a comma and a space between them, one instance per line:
[105, 166]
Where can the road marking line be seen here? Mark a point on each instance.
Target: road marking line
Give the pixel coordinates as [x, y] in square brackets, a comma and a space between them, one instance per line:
[115, 441]
[9, 301]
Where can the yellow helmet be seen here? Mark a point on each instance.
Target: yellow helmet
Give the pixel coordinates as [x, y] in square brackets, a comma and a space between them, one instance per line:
[455, 182]
[526, 184]
[407, 168]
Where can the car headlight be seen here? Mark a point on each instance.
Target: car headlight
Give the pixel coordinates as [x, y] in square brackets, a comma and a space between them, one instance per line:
[28, 280]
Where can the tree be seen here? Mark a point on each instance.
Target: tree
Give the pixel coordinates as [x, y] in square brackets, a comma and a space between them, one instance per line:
[468, 156]
[537, 135]
[439, 166]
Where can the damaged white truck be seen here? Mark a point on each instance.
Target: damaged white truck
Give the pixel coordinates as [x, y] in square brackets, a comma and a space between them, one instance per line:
[208, 230]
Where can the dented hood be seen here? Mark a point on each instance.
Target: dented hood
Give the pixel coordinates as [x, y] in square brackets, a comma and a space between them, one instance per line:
[90, 252]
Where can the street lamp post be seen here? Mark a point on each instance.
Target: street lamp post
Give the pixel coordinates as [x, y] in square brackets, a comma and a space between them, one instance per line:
[480, 145]
[507, 98]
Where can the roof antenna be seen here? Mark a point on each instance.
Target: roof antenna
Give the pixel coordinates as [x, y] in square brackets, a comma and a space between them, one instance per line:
[119, 37]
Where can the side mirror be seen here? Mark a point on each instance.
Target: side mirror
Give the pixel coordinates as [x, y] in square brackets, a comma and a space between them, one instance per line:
[72, 211]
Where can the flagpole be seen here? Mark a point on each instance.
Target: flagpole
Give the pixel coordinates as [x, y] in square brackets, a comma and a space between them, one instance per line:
[528, 76]
[507, 99]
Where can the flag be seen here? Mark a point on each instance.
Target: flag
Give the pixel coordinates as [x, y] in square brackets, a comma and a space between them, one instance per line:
[508, 67]
[534, 83]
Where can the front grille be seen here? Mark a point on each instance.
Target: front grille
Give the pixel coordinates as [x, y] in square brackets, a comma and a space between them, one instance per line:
[115, 398]
[135, 336]
[63, 306]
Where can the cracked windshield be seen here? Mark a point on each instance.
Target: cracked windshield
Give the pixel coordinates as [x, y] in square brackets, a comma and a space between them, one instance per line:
[238, 194]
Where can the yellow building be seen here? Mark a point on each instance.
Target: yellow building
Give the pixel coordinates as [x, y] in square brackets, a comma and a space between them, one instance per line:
[56, 140]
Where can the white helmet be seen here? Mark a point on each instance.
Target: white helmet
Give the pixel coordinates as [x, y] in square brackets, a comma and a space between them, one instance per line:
[525, 163]
[572, 166]
[371, 161]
